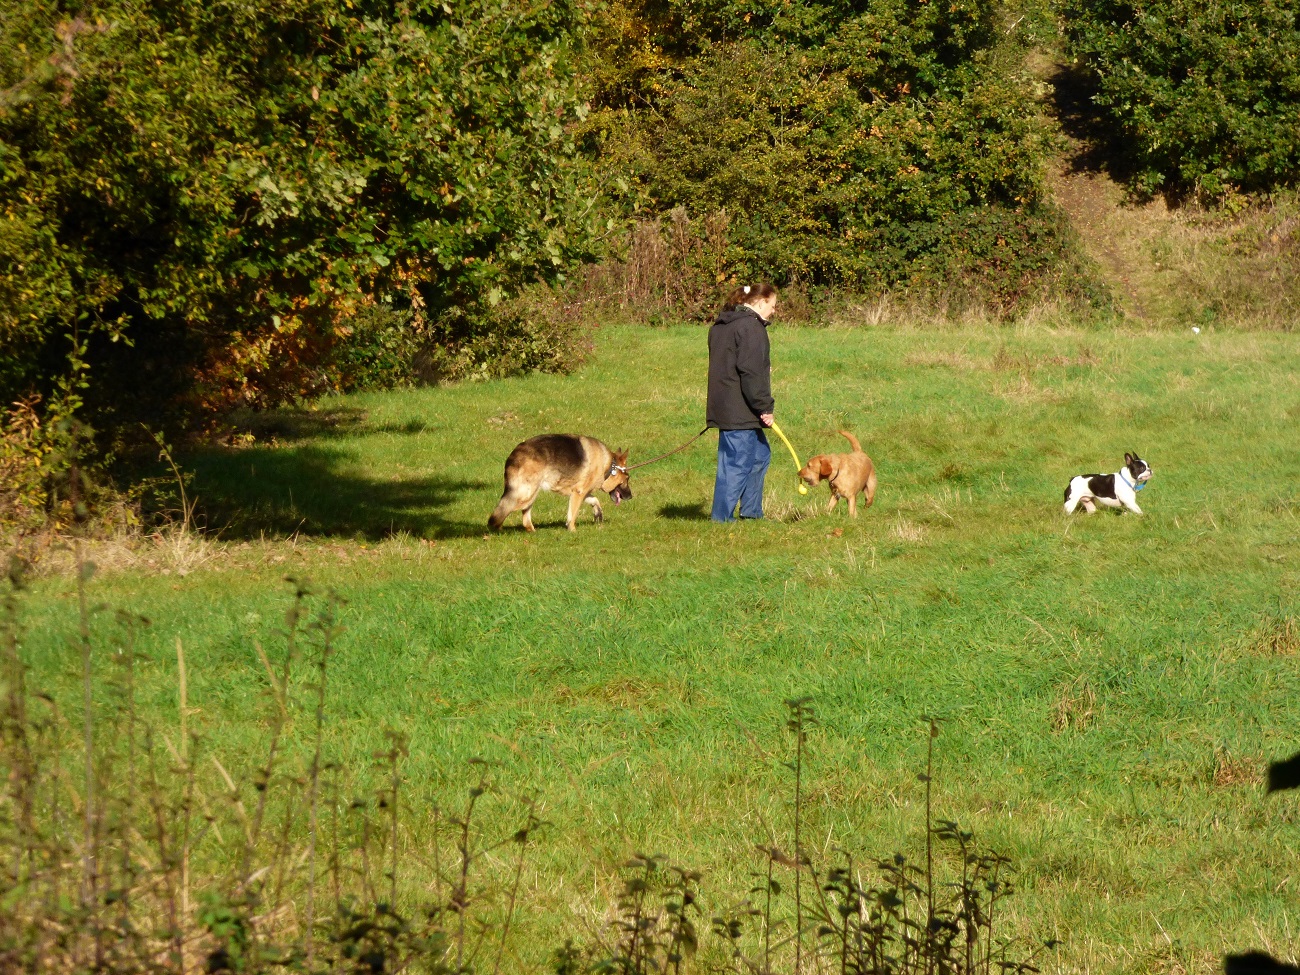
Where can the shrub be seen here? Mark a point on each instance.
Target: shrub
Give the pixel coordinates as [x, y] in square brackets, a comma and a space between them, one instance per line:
[535, 330]
[1202, 96]
[378, 349]
[47, 484]
[665, 264]
[872, 145]
[22, 447]
[200, 196]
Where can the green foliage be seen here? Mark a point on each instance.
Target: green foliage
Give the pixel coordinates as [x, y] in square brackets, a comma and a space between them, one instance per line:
[209, 205]
[1204, 96]
[204, 193]
[533, 331]
[379, 350]
[847, 141]
[24, 446]
[379, 347]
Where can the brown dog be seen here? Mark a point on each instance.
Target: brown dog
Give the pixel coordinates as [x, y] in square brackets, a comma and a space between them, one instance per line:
[847, 473]
[565, 464]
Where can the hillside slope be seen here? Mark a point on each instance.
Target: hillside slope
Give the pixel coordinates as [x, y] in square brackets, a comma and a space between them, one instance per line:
[1171, 263]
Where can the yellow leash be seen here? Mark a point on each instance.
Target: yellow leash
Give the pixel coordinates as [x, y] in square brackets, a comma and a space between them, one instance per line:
[798, 465]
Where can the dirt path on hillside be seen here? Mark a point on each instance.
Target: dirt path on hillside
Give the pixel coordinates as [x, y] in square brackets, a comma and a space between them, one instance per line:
[1122, 236]
[1168, 264]
[1094, 203]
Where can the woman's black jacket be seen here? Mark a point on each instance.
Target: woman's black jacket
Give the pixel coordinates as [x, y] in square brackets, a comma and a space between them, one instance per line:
[740, 371]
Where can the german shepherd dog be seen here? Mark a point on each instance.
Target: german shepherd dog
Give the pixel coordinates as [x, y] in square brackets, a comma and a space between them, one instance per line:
[565, 464]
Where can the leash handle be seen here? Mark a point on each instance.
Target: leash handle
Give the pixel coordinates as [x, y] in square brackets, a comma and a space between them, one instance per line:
[647, 463]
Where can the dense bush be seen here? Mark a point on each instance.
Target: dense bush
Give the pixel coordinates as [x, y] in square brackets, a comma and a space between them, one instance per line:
[197, 196]
[868, 143]
[1204, 95]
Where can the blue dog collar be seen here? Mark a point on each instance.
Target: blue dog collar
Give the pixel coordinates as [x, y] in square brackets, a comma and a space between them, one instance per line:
[1135, 487]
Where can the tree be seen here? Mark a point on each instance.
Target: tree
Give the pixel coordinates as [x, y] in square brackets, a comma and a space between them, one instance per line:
[197, 194]
[867, 144]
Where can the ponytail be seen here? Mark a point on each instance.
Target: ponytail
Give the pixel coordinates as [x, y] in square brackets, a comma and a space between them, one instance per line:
[747, 293]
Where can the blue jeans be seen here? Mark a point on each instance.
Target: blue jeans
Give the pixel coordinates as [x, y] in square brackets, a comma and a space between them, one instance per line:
[743, 459]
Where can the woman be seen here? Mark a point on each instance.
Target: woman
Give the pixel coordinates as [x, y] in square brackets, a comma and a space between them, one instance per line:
[740, 399]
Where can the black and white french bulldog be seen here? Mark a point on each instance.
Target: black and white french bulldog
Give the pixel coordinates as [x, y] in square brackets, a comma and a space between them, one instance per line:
[1118, 490]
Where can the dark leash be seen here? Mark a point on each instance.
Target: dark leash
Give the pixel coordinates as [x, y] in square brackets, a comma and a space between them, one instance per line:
[647, 463]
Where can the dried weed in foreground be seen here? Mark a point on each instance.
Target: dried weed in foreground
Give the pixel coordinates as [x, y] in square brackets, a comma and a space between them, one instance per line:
[149, 857]
[129, 848]
[805, 913]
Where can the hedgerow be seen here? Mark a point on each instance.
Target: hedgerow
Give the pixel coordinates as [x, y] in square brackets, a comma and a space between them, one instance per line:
[208, 205]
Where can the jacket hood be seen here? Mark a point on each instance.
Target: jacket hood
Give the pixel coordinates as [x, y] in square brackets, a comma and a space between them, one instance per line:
[736, 314]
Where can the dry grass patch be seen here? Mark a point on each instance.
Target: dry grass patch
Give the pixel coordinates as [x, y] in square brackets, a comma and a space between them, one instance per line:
[1278, 636]
[1022, 389]
[1005, 360]
[1075, 707]
[788, 512]
[1230, 769]
[947, 499]
[951, 358]
[958, 311]
[1187, 265]
[906, 530]
[172, 550]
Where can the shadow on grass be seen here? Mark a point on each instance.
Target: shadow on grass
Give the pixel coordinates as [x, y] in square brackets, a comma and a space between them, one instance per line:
[317, 490]
[291, 425]
[685, 512]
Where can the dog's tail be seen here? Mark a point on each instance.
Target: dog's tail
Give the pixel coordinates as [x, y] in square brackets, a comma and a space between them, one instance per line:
[509, 502]
[857, 447]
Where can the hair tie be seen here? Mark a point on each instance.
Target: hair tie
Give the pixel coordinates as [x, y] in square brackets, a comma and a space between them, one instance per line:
[746, 289]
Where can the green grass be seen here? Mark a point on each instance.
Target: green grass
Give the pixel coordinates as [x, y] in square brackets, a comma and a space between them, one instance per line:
[631, 675]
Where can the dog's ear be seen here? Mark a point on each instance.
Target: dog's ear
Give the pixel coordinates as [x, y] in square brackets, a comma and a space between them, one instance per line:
[1128, 459]
[825, 467]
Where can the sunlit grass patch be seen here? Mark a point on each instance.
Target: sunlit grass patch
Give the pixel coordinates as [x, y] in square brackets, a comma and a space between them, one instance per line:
[1096, 674]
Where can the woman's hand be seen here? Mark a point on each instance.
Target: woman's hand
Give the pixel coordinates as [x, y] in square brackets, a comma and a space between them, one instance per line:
[767, 418]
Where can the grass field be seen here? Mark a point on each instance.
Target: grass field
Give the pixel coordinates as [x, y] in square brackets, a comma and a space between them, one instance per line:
[1111, 686]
